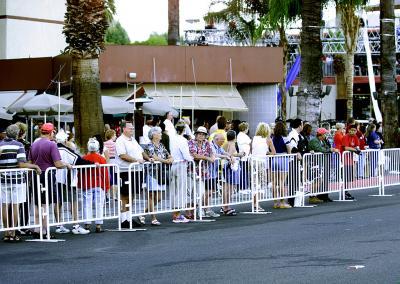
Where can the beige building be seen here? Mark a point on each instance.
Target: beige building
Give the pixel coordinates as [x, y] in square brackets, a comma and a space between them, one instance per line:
[31, 28]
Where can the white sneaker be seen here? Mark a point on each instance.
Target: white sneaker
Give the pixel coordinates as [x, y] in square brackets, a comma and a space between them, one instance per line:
[62, 230]
[78, 230]
[211, 214]
[142, 220]
[180, 219]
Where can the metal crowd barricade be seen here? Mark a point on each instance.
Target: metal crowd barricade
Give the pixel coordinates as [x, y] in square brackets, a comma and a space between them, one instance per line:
[275, 177]
[223, 183]
[156, 188]
[20, 200]
[361, 171]
[321, 173]
[390, 161]
[80, 195]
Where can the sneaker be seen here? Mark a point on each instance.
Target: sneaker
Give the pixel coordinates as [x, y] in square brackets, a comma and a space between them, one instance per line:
[180, 219]
[314, 200]
[221, 210]
[285, 206]
[348, 196]
[210, 213]
[78, 230]
[142, 220]
[62, 230]
[125, 224]
[259, 209]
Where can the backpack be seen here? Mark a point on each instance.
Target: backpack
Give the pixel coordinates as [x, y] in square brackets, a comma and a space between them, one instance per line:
[302, 145]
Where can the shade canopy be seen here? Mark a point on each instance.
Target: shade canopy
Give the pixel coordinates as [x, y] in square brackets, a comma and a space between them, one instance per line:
[114, 105]
[200, 97]
[44, 103]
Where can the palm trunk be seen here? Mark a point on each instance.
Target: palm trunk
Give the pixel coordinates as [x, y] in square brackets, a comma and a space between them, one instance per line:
[283, 42]
[88, 111]
[173, 22]
[349, 78]
[350, 24]
[388, 72]
[308, 103]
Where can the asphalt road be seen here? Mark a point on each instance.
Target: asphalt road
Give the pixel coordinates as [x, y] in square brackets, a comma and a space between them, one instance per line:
[339, 242]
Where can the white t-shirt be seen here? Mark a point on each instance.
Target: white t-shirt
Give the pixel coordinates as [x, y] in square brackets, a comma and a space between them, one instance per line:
[292, 139]
[128, 146]
[259, 146]
[244, 142]
[169, 126]
[146, 139]
[180, 149]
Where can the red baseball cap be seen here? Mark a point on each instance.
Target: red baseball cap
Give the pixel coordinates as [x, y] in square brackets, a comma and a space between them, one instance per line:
[47, 128]
[322, 131]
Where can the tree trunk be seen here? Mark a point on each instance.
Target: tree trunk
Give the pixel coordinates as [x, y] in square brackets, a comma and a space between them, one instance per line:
[350, 23]
[308, 102]
[388, 72]
[283, 42]
[88, 111]
[173, 22]
[349, 78]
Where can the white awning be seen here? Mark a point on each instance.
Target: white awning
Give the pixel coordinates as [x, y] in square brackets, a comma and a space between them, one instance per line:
[204, 97]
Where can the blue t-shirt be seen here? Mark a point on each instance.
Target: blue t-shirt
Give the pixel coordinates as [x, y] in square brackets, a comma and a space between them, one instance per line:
[279, 144]
[370, 140]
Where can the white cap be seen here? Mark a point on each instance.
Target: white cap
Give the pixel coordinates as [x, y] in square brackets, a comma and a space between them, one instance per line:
[93, 145]
[61, 136]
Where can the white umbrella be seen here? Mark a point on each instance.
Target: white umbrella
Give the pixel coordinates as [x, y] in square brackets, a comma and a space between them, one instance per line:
[5, 115]
[16, 106]
[42, 103]
[158, 107]
[113, 105]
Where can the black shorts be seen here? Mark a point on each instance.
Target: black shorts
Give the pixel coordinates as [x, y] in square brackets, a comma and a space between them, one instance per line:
[137, 180]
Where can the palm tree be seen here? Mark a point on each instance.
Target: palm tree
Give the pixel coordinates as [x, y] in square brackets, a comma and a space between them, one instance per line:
[173, 22]
[245, 24]
[388, 71]
[308, 102]
[280, 15]
[350, 23]
[85, 25]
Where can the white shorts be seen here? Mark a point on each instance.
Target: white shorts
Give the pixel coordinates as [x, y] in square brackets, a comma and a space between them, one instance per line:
[13, 193]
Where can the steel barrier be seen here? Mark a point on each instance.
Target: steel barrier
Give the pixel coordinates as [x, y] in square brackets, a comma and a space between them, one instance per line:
[275, 177]
[390, 161]
[321, 173]
[80, 195]
[20, 200]
[223, 183]
[361, 170]
[156, 188]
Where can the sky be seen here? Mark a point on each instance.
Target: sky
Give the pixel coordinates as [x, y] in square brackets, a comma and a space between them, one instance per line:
[142, 17]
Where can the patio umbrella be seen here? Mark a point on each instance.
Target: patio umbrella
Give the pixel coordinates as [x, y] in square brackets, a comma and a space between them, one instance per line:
[113, 105]
[5, 115]
[46, 103]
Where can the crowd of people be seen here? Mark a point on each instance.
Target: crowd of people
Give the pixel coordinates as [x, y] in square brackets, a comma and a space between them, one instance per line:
[224, 148]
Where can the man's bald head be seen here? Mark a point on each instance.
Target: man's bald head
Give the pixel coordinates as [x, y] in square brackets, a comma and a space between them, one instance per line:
[219, 139]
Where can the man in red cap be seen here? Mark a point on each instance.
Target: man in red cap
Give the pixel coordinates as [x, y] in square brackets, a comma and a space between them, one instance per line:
[44, 153]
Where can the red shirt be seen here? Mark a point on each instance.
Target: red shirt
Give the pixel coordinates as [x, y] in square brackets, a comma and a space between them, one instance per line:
[349, 141]
[337, 139]
[94, 177]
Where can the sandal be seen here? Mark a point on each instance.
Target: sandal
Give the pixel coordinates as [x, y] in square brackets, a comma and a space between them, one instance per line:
[285, 206]
[277, 206]
[6, 239]
[99, 230]
[155, 223]
[230, 212]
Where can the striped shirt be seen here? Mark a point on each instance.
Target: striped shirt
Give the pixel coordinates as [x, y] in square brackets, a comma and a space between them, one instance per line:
[12, 153]
[110, 144]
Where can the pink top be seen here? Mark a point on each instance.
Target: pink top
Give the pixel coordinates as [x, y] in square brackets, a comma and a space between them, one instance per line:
[110, 144]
